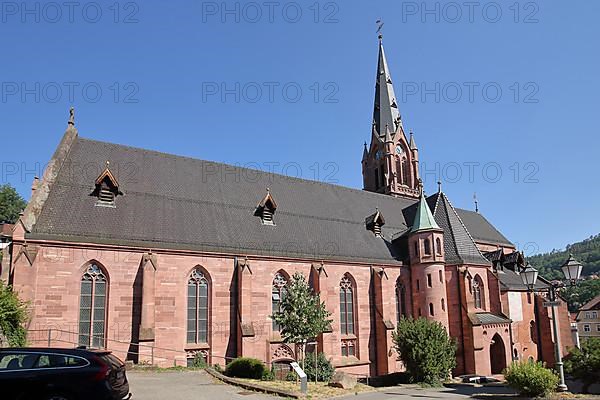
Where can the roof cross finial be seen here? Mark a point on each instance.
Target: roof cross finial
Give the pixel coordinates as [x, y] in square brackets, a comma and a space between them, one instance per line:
[439, 186]
[72, 116]
[476, 202]
[379, 23]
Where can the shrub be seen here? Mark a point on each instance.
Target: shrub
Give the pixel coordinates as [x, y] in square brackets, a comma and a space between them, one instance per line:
[291, 377]
[531, 379]
[323, 369]
[199, 361]
[268, 375]
[13, 314]
[244, 367]
[584, 363]
[426, 350]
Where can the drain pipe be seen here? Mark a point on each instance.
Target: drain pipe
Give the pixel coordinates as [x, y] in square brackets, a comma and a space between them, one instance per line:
[462, 330]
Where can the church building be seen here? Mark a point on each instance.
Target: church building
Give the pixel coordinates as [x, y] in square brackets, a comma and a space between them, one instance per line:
[160, 258]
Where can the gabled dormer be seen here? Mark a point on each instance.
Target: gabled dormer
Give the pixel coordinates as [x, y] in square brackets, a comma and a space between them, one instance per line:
[374, 222]
[266, 209]
[106, 188]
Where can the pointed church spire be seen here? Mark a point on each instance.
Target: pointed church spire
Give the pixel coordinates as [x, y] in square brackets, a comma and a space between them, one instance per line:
[424, 218]
[386, 110]
[365, 152]
[412, 144]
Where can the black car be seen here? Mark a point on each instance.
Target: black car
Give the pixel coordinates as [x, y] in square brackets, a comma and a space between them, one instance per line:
[61, 374]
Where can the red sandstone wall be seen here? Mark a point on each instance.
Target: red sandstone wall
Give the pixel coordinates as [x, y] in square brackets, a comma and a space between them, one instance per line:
[52, 285]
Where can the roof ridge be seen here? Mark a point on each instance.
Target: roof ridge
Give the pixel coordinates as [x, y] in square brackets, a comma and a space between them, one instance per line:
[464, 226]
[447, 216]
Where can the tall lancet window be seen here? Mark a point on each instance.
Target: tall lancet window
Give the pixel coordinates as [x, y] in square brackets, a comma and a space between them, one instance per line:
[347, 316]
[92, 307]
[278, 292]
[197, 307]
[400, 300]
[478, 292]
[405, 172]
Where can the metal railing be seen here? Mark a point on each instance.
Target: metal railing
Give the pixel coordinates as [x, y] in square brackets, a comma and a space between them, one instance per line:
[52, 336]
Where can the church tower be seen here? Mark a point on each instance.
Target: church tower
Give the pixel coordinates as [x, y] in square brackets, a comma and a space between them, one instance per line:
[427, 266]
[390, 164]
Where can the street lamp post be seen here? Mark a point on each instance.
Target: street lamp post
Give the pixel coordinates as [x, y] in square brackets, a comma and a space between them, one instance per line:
[572, 271]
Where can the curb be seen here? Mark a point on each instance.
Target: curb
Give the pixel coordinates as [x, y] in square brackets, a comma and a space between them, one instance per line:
[252, 386]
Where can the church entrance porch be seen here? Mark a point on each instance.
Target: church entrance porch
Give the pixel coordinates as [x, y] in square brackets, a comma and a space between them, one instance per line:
[497, 355]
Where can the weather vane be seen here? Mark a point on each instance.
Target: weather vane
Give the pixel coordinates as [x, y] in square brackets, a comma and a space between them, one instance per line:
[379, 23]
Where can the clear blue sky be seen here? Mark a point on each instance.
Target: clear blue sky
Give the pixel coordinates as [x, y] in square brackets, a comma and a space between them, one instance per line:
[158, 74]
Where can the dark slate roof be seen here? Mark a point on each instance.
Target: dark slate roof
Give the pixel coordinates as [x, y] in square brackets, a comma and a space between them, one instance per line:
[183, 203]
[481, 229]
[510, 280]
[486, 318]
[459, 246]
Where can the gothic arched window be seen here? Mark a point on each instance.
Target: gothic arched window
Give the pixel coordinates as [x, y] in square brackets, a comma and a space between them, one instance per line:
[427, 247]
[478, 292]
[405, 172]
[92, 307]
[400, 300]
[347, 305]
[349, 342]
[197, 307]
[278, 292]
[533, 332]
[438, 246]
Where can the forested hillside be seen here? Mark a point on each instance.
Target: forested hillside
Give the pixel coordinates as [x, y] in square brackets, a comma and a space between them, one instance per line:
[588, 253]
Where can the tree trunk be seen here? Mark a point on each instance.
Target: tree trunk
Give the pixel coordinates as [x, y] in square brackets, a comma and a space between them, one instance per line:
[303, 354]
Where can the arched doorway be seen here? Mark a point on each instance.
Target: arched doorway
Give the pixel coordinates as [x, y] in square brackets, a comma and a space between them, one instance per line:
[497, 355]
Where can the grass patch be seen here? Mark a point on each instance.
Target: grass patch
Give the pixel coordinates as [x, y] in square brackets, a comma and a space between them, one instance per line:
[318, 390]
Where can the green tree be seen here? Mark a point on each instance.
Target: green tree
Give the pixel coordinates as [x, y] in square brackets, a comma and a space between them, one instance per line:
[13, 314]
[585, 291]
[302, 315]
[584, 363]
[11, 204]
[426, 350]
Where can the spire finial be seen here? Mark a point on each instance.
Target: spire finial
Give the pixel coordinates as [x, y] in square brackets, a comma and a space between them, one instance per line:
[107, 164]
[72, 116]
[476, 202]
[439, 186]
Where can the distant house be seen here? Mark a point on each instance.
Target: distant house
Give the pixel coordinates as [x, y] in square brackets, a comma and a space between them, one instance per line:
[588, 319]
[5, 241]
[5, 235]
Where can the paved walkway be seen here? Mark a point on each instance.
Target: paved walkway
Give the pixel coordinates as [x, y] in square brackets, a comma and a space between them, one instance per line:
[184, 385]
[198, 385]
[414, 392]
